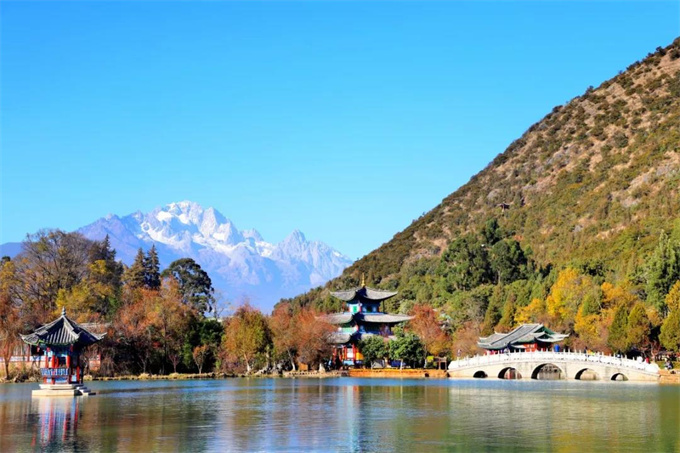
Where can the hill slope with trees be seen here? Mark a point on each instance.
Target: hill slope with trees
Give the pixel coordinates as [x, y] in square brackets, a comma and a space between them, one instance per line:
[575, 221]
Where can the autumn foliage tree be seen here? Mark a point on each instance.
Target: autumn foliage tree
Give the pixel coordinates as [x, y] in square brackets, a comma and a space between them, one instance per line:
[312, 337]
[427, 326]
[247, 335]
[10, 312]
[284, 331]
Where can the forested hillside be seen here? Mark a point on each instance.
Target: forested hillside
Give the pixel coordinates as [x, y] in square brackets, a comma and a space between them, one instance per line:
[574, 221]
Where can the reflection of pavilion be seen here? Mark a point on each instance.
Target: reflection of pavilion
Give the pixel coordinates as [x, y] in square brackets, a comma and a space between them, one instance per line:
[58, 421]
[61, 342]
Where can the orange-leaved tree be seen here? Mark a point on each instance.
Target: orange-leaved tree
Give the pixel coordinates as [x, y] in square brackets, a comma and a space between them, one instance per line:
[427, 326]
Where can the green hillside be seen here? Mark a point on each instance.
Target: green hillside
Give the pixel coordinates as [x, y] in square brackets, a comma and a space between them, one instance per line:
[591, 186]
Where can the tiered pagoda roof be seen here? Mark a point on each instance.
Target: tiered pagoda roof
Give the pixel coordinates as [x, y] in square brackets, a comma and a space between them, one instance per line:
[524, 334]
[364, 293]
[62, 332]
[362, 318]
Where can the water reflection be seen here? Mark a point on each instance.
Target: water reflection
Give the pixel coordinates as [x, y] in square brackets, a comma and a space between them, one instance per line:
[57, 422]
[346, 415]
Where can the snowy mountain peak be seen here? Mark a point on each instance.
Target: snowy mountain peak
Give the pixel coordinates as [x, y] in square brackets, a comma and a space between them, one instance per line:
[240, 263]
[295, 237]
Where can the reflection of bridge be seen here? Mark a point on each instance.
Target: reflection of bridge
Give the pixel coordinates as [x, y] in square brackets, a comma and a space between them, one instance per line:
[553, 365]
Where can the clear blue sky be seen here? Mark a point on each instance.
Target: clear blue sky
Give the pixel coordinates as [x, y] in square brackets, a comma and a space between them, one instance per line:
[346, 120]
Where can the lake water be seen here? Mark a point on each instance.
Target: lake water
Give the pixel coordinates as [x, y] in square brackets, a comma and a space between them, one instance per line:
[345, 414]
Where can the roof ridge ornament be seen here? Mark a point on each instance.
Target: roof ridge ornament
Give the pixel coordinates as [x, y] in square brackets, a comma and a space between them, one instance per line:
[63, 311]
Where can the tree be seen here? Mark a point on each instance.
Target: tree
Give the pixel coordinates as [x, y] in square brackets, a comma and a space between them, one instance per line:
[50, 261]
[670, 331]
[639, 328]
[312, 337]
[152, 276]
[284, 331]
[200, 353]
[465, 263]
[246, 335]
[170, 319]
[507, 321]
[562, 304]
[135, 275]
[408, 348]
[493, 311]
[426, 325]
[373, 348]
[663, 270]
[507, 261]
[10, 312]
[672, 299]
[618, 332]
[194, 283]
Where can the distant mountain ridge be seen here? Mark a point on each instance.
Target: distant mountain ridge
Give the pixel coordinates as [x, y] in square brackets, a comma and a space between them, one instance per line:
[241, 264]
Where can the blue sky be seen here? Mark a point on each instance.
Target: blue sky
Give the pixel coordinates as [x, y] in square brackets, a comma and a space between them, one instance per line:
[346, 120]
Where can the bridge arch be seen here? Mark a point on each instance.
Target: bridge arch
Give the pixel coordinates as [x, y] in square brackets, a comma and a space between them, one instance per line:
[548, 371]
[587, 374]
[509, 373]
[480, 374]
[619, 377]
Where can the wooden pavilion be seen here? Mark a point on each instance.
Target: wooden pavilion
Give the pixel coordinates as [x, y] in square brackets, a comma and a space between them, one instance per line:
[61, 344]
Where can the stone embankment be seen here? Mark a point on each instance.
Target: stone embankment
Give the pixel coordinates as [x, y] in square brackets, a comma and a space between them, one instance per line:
[398, 373]
[669, 377]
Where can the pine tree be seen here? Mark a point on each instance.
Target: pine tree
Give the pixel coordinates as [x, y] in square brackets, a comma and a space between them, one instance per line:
[639, 327]
[663, 270]
[135, 275]
[493, 312]
[152, 269]
[618, 332]
[507, 321]
[670, 331]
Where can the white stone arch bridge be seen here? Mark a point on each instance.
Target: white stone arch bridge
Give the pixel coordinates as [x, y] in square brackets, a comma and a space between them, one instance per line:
[564, 365]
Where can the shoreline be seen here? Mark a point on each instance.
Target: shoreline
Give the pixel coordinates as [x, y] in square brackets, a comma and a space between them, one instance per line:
[665, 377]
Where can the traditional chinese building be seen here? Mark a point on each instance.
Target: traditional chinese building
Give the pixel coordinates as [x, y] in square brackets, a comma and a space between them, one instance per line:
[363, 318]
[527, 338]
[60, 344]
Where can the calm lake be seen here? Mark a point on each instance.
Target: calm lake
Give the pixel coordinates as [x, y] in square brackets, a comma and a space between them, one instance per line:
[345, 414]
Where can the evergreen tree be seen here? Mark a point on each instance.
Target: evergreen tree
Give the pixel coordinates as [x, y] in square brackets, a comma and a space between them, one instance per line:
[663, 270]
[507, 261]
[492, 232]
[408, 348]
[493, 311]
[135, 275]
[639, 327]
[194, 283]
[152, 269]
[618, 332]
[465, 264]
[507, 321]
[373, 348]
[670, 332]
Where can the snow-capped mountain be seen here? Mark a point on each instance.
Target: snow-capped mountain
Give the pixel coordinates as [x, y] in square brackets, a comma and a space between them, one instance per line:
[241, 264]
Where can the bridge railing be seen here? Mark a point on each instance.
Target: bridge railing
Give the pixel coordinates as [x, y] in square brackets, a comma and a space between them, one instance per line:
[550, 356]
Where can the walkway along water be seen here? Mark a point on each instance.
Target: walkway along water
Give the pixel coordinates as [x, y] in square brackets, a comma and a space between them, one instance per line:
[568, 365]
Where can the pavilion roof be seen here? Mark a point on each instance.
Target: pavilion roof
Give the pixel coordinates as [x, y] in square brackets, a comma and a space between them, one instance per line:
[384, 318]
[364, 293]
[526, 333]
[62, 332]
[361, 318]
